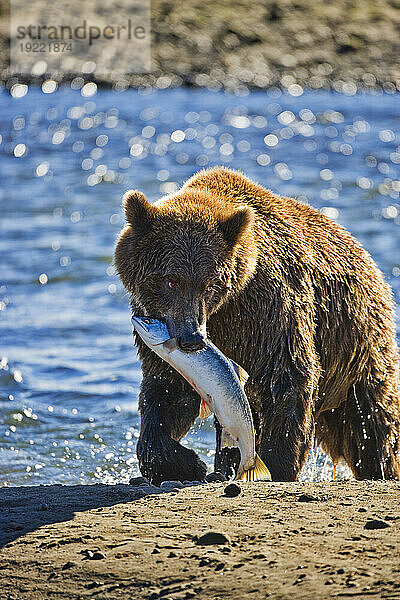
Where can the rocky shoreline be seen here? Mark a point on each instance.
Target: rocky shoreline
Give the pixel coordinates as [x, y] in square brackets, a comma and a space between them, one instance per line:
[272, 540]
[344, 45]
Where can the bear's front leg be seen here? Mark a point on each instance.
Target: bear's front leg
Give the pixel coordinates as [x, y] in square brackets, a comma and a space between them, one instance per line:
[168, 407]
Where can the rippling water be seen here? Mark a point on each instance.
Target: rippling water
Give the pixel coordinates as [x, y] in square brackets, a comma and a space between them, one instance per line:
[69, 375]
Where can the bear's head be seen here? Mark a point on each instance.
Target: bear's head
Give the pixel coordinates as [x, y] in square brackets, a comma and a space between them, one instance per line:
[183, 257]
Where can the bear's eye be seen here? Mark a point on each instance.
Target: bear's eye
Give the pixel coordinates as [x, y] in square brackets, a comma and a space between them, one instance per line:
[171, 284]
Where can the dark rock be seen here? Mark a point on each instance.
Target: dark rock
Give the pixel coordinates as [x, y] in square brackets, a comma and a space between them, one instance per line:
[97, 555]
[43, 506]
[138, 481]
[362, 509]
[172, 555]
[215, 477]
[232, 490]
[156, 551]
[219, 566]
[170, 486]
[203, 562]
[376, 524]
[307, 498]
[212, 538]
[92, 585]
[68, 565]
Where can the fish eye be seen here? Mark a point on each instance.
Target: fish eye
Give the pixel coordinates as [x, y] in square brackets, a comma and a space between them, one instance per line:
[145, 320]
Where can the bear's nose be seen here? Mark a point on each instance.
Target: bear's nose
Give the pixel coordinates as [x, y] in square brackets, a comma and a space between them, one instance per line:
[191, 342]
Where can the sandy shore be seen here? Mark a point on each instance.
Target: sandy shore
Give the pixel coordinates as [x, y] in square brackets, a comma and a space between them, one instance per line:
[296, 540]
[220, 43]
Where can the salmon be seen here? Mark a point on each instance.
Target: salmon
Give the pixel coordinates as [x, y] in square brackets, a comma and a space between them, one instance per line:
[220, 383]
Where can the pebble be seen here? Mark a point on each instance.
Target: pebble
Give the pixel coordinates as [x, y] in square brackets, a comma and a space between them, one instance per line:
[213, 538]
[215, 477]
[362, 509]
[307, 498]
[98, 556]
[138, 481]
[232, 490]
[43, 506]
[92, 585]
[203, 562]
[376, 524]
[68, 565]
[156, 551]
[170, 486]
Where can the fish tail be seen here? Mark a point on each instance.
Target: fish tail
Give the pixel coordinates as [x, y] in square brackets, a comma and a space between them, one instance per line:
[259, 472]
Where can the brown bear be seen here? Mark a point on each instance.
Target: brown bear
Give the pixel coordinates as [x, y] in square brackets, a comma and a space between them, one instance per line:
[286, 293]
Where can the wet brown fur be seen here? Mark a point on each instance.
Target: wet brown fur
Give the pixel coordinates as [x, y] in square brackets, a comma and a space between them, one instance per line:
[288, 294]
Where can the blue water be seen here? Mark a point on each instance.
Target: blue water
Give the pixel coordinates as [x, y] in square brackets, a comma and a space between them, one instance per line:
[69, 376]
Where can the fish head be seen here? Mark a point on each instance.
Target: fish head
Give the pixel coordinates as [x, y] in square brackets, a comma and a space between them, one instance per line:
[152, 331]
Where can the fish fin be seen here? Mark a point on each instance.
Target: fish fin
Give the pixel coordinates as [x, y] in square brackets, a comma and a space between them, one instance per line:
[240, 372]
[205, 410]
[170, 344]
[259, 472]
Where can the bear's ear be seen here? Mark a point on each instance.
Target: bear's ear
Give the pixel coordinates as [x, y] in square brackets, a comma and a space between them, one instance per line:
[138, 211]
[235, 226]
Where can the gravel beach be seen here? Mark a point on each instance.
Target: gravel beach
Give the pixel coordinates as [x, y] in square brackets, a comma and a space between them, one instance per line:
[220, 44]
[273, 540]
